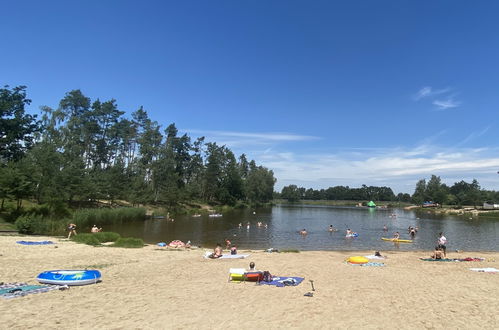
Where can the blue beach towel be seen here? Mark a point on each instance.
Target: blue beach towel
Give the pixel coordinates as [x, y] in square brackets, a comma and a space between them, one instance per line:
[34, 242]
[281, 281]
[369, 264]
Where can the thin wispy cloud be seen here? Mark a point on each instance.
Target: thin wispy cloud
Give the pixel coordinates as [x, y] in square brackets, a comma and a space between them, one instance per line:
[442, 99]
[446, 104]
[240, 139]
[473, 136]
[428, 91]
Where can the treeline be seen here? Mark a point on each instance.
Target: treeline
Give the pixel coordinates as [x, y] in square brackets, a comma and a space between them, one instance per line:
[294, 193]
[86, 150]
[461, 193]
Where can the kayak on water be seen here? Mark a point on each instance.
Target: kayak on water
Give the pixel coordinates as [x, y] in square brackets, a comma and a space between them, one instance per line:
[397, 240]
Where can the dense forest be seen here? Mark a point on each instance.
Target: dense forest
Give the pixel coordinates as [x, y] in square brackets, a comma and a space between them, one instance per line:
[460, 193]
[84, 151]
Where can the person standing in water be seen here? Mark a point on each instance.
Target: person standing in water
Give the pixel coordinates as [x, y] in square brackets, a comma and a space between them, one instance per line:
[331, 228]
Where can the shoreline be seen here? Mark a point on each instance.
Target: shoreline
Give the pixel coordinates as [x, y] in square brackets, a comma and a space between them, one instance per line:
[155, 288]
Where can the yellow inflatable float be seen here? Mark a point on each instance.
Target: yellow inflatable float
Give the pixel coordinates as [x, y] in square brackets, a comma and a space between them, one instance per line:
[358, 260]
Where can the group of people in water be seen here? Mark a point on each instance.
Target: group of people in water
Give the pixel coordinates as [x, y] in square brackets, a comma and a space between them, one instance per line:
[248, 225]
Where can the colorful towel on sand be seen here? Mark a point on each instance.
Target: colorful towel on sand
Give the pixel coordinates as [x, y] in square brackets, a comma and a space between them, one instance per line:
[14, 290]
[455, 260]
[227, 256]
[485, 270]
[281, 281]
[34, 242]
[374, 257]
[369, 264]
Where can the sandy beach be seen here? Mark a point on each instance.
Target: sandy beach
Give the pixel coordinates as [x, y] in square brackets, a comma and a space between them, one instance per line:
[156, 288]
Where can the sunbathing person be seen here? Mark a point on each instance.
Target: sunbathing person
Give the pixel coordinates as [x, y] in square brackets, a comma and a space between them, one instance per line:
[217, 252]
[438, 254]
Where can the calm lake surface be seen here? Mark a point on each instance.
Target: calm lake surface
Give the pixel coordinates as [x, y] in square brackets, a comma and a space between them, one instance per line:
[284, 222]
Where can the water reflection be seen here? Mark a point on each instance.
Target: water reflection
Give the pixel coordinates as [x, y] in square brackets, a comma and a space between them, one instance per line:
[285, 221]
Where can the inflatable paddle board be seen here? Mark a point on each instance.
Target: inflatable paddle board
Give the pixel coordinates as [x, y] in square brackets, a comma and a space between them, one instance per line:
[69, 277]
[396, 240]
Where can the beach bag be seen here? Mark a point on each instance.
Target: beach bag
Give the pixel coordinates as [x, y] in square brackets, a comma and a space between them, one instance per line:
[267, 277]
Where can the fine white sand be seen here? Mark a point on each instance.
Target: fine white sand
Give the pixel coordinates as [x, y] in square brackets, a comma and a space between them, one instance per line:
[156, 288]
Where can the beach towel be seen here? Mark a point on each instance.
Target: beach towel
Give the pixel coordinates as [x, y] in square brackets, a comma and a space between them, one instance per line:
[455, 260]
[281, 281]
[470, 259]
[14, 290]
[485, 270]
[374, 257]
[34, 242]
[234, 256]
[228, 256]
[369, 264]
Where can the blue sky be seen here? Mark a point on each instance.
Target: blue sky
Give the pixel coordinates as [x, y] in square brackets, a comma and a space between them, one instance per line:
[324, 93]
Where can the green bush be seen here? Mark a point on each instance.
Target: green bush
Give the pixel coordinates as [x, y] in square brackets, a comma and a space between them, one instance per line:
[26, 224]
[106, 236]
[86, 238]
[129, 242]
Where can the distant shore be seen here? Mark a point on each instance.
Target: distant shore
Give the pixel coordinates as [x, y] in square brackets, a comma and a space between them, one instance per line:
[155, 288]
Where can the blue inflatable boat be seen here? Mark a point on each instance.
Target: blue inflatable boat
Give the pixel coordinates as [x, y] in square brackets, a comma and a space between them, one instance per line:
[69, 277]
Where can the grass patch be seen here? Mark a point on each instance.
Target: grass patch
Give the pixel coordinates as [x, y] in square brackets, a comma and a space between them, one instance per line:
[96, 239]
[85, 238]
[129, 242]
[290, 251]
[106, 236]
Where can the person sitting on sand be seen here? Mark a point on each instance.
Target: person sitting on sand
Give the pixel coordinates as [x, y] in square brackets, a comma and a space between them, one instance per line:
[251, 267]
[95, 229]
[303, 232]
[438, 254]
[72, 230]
[217, 252]
[378, 254]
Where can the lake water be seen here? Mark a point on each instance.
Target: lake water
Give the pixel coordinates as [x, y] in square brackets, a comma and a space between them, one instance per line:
[284, 222]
